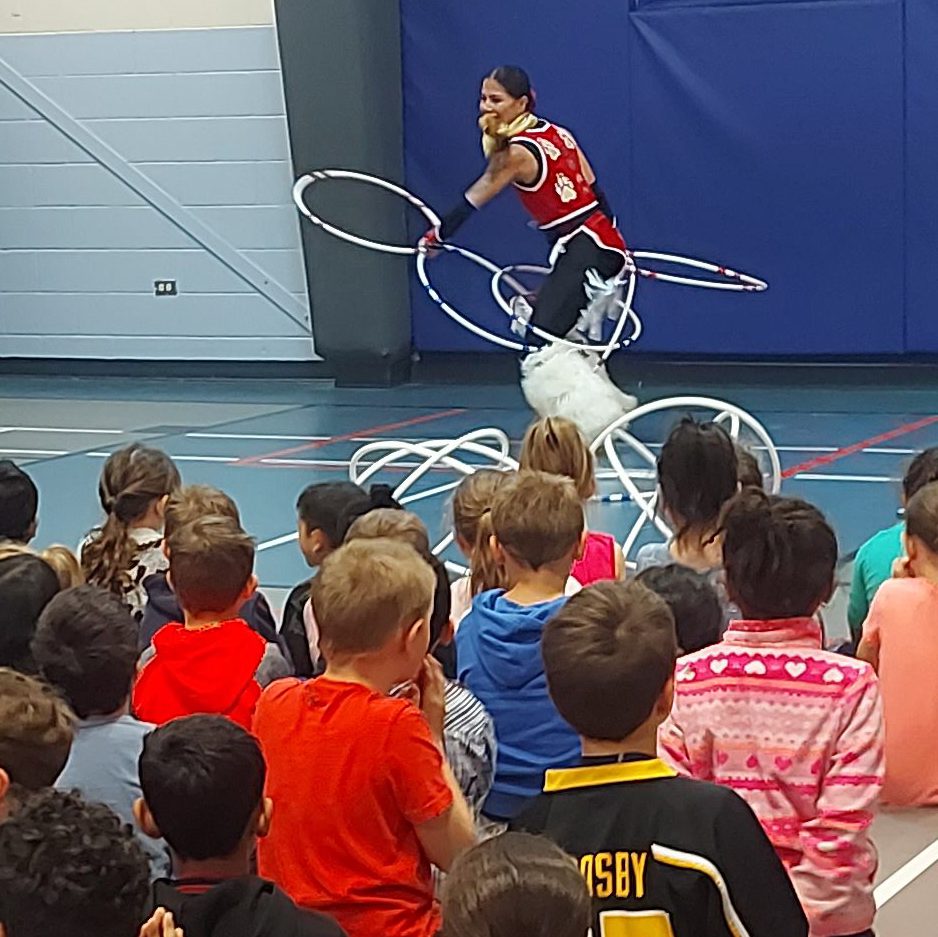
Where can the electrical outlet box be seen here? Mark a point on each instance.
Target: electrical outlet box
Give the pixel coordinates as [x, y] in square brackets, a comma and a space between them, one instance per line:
[164, 287]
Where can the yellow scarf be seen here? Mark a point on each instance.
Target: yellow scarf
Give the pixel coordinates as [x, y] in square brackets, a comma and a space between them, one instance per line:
[497, 139]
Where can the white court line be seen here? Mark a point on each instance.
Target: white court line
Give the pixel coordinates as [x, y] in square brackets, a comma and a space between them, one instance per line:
[61, 429]
[33, 451]
[807, 476]
[278, 437]
[907, 874]
[276, 542]
[175, 458]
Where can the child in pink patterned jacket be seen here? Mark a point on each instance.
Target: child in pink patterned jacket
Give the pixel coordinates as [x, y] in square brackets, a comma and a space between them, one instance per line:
[795, 730]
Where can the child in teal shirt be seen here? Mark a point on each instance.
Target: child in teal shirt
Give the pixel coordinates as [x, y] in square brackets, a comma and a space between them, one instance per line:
[874, 560]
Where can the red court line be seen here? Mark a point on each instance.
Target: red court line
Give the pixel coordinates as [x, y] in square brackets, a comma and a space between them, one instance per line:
[856, 447]
[345, 437]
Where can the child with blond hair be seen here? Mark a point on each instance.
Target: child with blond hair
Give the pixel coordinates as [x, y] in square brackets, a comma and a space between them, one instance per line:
[365, 799]
[556, 445]
[537, 524]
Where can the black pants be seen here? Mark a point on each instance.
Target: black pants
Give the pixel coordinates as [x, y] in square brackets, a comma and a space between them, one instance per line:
[562, 297]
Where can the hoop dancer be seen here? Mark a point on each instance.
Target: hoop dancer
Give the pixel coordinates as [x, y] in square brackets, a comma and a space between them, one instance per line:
[558, 188]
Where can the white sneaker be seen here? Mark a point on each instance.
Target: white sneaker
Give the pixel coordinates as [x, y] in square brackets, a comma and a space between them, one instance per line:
[521, 312]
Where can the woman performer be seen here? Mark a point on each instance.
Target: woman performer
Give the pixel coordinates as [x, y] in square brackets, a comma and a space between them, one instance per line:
[557, 186]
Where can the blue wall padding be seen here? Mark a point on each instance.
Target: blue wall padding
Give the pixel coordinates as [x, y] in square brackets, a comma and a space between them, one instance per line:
[921, 296]
[766, 136]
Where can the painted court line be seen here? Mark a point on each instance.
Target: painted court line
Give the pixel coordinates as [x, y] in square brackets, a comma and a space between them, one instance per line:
[857, 447]
[903, 877]
[62, 429]
[345, 437]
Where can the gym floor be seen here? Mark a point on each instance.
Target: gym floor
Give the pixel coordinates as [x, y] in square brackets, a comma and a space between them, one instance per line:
[844, 443]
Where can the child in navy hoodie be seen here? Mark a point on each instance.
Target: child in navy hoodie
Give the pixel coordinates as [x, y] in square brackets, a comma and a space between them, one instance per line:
[538, 523]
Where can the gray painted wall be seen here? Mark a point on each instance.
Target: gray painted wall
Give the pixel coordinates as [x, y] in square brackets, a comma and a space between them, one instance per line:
[200, 114]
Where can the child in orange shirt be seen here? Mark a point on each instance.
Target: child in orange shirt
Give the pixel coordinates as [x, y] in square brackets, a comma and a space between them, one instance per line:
[365, 800]
[899, 641]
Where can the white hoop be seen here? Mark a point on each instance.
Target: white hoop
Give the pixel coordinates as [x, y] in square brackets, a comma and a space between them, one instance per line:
[304, 182]
[456, 316]
[732, 279]
[435, 452]
[646, 501]
[744, 282]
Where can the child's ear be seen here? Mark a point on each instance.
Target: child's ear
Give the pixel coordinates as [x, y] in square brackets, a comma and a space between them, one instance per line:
[498, 551]
[416, 633]
[264, 816]
[447, 634]
[169, 579]
[250, 587]
[161, 505]
[581, 546]
[145, 820]
[164, 547]
[911, 547]
[665, 701]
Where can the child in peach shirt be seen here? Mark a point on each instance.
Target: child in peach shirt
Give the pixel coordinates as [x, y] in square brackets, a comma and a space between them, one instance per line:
[899, 640]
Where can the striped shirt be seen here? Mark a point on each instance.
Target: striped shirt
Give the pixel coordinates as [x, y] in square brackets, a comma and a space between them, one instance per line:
[469, 736]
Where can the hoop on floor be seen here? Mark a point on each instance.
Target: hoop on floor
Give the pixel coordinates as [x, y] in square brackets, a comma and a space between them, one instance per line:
[317, 175]
[734, 419]
[489, 443]
[486, 264]
[743, 282]
[616, 341]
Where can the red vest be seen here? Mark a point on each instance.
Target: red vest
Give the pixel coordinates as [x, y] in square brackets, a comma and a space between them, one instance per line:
[560, 192]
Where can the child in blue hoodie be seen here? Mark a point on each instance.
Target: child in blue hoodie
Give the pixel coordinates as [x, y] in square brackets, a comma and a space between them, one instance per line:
[538, 527]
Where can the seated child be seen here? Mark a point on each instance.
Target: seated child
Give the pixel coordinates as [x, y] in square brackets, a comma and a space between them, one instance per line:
[796, 730]
[537, 521]
[70, 869]
[512, 885]
[323, 512]
[36, 731]
[697, 475]
[203, 790]
[27, 583]
[184, 506]
[686, 856]
[694, 603]
[212, 662]
[135, 484]
[748, 470]
[365, 800]
[472, 531]
[874, 560]
[19, 503]
[468, 731]
[86, 647]
[557, 446]
[899, 641]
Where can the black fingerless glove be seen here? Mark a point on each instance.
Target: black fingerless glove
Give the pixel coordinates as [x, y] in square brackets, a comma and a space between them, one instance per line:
[453, 220]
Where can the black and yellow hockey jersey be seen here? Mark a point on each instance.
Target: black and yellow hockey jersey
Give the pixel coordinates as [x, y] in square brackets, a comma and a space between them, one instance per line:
[665, 856]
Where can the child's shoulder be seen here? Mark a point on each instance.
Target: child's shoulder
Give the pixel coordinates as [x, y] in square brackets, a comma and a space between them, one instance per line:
[905, 590]
[804, 665]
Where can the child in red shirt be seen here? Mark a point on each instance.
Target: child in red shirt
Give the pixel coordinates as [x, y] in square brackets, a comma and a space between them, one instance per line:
[213, 662]
[365, 800]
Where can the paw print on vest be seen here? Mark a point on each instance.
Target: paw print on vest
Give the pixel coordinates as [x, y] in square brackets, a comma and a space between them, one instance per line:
[564, 188]
[550, 149]
[568, 140]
